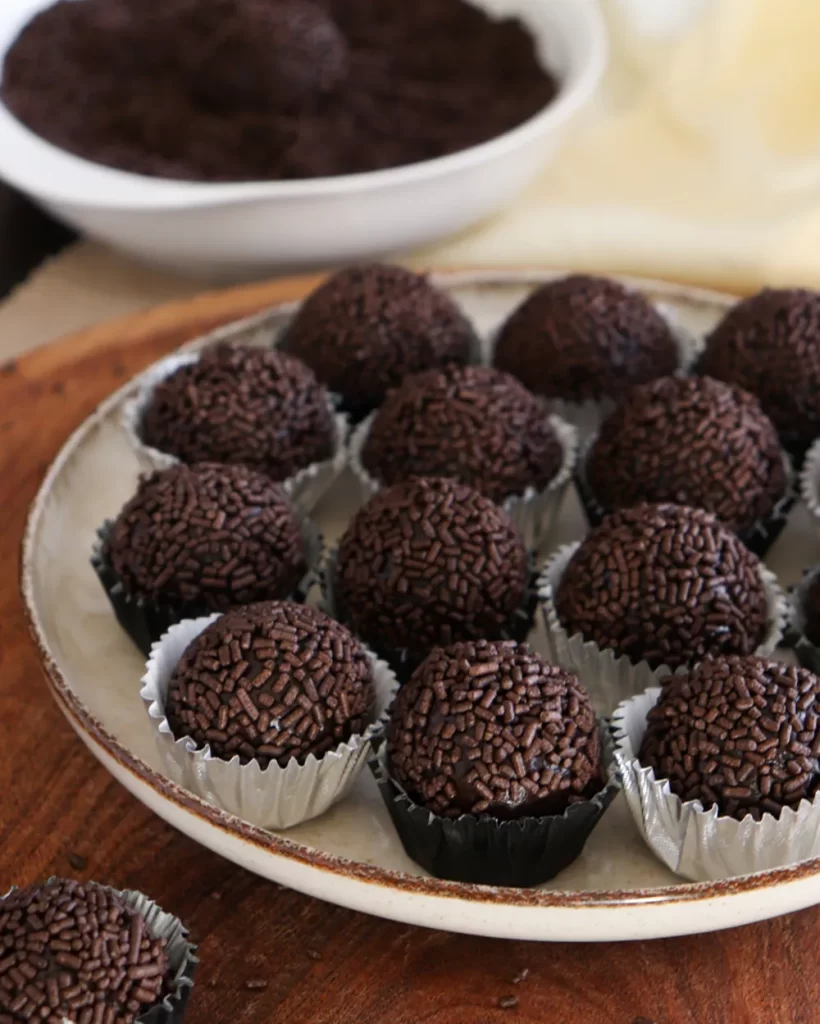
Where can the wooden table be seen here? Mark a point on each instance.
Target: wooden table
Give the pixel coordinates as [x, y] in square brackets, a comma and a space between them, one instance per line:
[60, 813]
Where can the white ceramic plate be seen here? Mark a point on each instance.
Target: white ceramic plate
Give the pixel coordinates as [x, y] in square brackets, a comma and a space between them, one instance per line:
[352, 856]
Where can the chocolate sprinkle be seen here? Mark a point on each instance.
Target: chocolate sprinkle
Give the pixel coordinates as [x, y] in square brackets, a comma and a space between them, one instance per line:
[738, 733]
[472, 423]
[368, 327]
[430, 562]
[694, 441]
[242, 405]
[209, 535]
[71, 950]
[664, 584]
[490, 728]
[583, 338]
[271, 682]
[769, 344]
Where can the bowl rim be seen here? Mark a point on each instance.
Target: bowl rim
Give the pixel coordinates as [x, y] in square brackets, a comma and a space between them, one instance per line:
[54, 175]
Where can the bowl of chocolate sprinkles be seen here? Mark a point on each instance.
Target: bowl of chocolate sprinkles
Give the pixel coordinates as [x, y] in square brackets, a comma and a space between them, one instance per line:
[655, 589]
[268, 711]
[147, 970]
[720, 766]
[495, 769]
[277, 123]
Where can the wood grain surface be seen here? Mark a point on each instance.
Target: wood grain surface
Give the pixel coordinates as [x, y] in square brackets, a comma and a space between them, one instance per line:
[60, 813]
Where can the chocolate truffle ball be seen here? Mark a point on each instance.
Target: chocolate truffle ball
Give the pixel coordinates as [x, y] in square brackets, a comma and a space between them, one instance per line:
[585, 338]
[369, 327]
[207, 535]
[810, 610]
[694, 441]
[769, 344]
[737, 733]
[664, 584]
[429, 562]
[275, 681]
[77, 951]
[248, 406]
[490, 728]
[469, 422]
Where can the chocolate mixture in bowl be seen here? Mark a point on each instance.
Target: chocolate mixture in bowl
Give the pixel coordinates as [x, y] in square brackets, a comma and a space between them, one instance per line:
[238, 90]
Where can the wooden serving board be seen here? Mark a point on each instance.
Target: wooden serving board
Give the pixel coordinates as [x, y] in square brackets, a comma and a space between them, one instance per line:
[62, 814]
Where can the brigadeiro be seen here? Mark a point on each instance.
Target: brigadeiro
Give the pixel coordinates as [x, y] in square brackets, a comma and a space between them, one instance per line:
[199, 539]
[585, 341]
[368, 327]
[240, 405]
[428, 562]
[694, 441]
[271, 708]
[652, 586]
[805, 619]
[769, 344]
[721, 766]
[79, 951]
[493, 769]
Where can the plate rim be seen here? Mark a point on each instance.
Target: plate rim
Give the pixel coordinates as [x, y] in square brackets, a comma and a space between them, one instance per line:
[279, 845]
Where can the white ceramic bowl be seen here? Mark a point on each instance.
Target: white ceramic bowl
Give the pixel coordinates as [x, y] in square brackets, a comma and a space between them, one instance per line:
[238, 230]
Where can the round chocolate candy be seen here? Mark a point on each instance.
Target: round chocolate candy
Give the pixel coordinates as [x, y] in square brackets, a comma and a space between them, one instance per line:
[208, 535]
[242, 405]
[694, 441]
[428, 562]
[274, 681]
[370, 326]
[769, 344]
[810, 610]
[738, 733]
[76, 951]
[585, 338]
[664, 584]
[490, 728]
[469, 422]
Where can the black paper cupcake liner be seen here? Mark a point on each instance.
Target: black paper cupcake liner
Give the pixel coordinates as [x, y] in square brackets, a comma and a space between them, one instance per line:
[806, 652]
[182, 957]
[486, 851]
[146, 621]
[759, 538]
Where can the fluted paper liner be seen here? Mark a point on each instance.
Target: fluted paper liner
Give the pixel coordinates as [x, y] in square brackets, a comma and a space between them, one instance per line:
[146, 620]
[610, 678]
[697, 844]
[810, 481]
[306, 488]
[534, 513]
[486, 851]
[808, 654]
[182, 957]
[272, 797]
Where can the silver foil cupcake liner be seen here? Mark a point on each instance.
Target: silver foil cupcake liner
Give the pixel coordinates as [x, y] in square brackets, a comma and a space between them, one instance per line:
[483, 850]
[806, 652]
[145, 621]
[610, 678]
[758, 538]
[403, 660]
[534, 513]
[306, 488]
[697, 844]
[182, 957]
[271, 797]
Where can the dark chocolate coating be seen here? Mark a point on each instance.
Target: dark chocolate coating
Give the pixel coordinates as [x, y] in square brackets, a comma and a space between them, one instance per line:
[209, 535]
[694, 441]
[275, 681]
[769, 344]
[472, 423]
[737, 733]
[368, 327]
[430, 562]
[585, 338]
[242, 405]
[664, 584]
[490, 728]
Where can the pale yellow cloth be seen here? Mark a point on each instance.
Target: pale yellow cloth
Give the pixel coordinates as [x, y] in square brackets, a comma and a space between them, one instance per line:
[699, 160]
